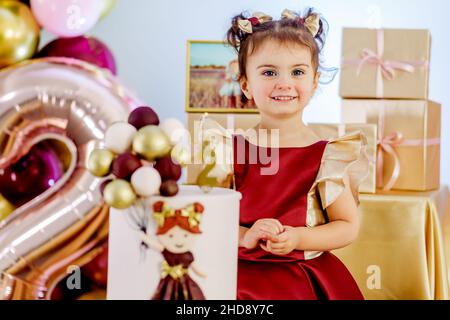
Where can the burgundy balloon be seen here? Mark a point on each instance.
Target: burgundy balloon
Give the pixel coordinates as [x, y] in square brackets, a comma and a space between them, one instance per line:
[83, 48]
[125, 164]
[31, 175]
[168, 170]
[143, 116]
[169, 188]
[97, 269]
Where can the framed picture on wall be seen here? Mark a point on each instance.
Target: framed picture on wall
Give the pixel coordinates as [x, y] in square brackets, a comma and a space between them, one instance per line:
[212, 79]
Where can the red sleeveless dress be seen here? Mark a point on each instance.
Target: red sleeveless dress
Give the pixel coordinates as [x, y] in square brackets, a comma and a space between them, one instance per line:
[283, 196]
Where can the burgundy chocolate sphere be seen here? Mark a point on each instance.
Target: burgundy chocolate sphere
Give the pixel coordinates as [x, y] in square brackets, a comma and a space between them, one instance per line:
[125, 165]
[143, 116]
[168, 188]
[168, 170]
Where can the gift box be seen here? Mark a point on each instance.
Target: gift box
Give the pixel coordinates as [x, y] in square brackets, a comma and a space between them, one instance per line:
[409, 131]
[328, 131]
[385, 63]
[400, 252]
[230, 121]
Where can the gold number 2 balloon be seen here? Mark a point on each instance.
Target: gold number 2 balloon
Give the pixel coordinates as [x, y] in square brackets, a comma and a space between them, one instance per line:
[71, 104]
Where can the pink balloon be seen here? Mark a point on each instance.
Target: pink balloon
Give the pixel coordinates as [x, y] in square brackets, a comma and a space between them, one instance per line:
[88, 49]
[66, 18]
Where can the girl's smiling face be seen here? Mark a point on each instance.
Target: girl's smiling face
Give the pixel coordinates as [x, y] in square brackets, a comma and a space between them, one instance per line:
[177, 240]
[280, 78]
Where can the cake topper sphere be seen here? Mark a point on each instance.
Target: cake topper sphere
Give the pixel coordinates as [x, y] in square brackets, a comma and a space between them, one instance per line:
[151, 143]
[169, 188]
[168, 169]
[146, 181]
[119, 194]
[119, 136]
[143, 116]
[99, 162]
[124, 165]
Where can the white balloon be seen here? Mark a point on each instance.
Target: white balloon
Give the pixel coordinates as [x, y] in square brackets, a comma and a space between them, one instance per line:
[119, 136]
[146, 181]
[174, 129]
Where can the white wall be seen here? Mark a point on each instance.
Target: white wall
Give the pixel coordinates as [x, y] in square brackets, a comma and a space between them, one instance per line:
[148, 39]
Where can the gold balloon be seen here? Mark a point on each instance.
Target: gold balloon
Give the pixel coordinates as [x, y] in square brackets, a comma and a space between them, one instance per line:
[151, 142]
[107, 6]
[99, 162]
[119, 194]
[19, 33]
[5, 208]
[181, 155]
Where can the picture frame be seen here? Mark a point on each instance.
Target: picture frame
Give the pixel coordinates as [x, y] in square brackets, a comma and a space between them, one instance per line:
[212, 79]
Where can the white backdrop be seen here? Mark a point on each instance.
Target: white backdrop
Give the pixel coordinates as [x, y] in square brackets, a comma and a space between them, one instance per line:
[148, 39]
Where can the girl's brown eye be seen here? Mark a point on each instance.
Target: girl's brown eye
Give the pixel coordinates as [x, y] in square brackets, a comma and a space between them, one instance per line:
[170, 235]
[269, 73]
[185, 235]
[298, 72]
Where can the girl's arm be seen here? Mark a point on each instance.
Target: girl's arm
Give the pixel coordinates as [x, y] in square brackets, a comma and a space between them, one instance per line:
[150, 242]
[341, 231]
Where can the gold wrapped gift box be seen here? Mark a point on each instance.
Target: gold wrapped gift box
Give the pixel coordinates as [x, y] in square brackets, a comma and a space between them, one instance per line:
[333, 130]
[409, 134]
[228, 121]
[385, 63]
[400, 252]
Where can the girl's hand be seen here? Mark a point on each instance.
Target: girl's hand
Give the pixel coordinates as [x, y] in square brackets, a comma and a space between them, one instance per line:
[263, 229]
[287, 242]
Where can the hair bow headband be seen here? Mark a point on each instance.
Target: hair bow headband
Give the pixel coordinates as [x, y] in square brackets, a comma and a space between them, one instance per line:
[256, 19]
[312, 22]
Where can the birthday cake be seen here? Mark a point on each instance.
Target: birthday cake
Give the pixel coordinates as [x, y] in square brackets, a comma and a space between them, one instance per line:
[175, 248]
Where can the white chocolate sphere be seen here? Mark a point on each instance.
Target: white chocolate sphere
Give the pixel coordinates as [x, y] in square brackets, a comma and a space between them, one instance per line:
[119, 136]
[146, 181]
[174, 129]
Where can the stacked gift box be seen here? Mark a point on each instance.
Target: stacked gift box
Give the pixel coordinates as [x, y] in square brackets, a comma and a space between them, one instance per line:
[384, 82]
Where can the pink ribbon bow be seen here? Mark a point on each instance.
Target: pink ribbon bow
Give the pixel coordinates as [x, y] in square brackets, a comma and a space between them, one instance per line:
[385, 68]
[388, 144]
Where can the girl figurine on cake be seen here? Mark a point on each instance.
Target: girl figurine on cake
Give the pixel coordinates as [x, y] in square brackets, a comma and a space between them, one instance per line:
[306, 205]
[177, 230]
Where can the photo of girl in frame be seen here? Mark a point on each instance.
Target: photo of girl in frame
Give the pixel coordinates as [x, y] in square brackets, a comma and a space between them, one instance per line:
[212, 83]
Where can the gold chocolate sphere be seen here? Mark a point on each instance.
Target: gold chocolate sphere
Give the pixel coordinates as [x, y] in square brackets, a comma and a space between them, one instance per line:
[151, 142]
[99, 162]
[119, 194]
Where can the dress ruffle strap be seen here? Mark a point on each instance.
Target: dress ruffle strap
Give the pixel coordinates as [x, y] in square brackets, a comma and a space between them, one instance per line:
[344, 161]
